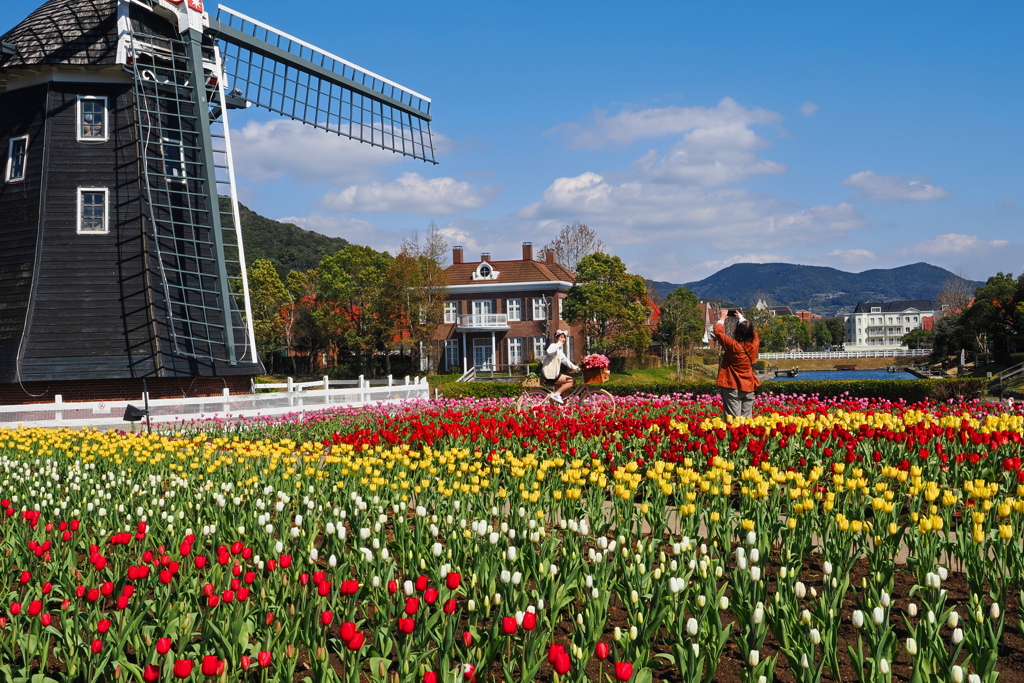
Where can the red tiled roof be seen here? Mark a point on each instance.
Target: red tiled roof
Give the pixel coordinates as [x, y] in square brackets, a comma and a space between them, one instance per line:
[509, 271]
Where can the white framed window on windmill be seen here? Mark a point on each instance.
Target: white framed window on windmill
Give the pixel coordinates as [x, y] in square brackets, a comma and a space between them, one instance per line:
[93, 212]
[92, 119]
[17, 159]
[173, 153]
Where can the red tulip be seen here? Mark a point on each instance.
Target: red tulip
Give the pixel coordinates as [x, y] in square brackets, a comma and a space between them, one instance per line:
[450, 606]
[324, 588]
[430, 596]
[562, 664]
[350, 587]
[508, 625]
[26, 577]
[96, 646]
[553, 652]
[200, 561]
[151, 673]
[392, 587]
[326, 618]
[245, 662]
[212, 666]
[406, 625]
[601, 650]
[356, 641]
[286, 561]
[15, 609]
[412, 605]
[421, 583]
[163, 645]
[212, 601]
[467, 638]
[453, 580]
[468, 673]
[529, 621]
[263, 658]
[46, 619]
[348, 629]
[623, 671]
[103, 626]
[429, 677]
[304, 578]
[92, 595]
[35, 607]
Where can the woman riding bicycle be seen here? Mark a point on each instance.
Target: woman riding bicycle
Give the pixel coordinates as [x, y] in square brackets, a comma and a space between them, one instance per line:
[551, 367]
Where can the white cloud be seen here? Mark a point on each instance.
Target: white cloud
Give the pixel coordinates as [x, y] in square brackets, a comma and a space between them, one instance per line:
[412, 193]
[635, 212]
[893, 187]
[808, 109]
[723, 155]
[630, 126]
[851, 256]
[953, 243]
[268, 151]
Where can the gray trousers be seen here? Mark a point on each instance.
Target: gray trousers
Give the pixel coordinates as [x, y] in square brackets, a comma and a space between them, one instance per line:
[737, 403]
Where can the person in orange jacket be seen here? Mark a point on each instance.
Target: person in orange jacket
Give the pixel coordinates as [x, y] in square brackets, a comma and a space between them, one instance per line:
[736, 377]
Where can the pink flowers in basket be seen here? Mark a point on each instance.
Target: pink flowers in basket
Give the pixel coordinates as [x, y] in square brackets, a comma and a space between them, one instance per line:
[595, 360]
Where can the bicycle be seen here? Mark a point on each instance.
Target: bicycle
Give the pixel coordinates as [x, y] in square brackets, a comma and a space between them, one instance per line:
[583, 395]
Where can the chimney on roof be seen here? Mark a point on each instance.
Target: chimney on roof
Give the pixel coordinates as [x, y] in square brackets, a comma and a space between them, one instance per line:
[456, 255]
[486, 256]
[527, 251]
[549, 257]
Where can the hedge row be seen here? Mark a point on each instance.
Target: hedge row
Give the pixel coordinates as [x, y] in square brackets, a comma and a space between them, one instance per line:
[893, 390]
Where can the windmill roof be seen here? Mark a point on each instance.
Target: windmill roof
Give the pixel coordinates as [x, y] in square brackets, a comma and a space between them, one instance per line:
[898, 306]
[74, 32]
[509, 271]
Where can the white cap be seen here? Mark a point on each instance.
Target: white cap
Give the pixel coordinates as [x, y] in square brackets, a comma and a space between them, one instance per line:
[565, 332]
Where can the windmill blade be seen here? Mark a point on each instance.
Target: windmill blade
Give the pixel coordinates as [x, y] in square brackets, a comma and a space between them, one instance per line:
[289, 76]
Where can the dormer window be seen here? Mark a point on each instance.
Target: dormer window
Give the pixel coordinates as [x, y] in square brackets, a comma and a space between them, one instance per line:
[876, 309]
[485, 271]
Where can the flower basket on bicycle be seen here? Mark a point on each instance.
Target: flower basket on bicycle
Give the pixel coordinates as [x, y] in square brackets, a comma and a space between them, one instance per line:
[596, 369]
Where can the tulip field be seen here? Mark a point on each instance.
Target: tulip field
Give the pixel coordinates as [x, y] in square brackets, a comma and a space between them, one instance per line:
[821, 540]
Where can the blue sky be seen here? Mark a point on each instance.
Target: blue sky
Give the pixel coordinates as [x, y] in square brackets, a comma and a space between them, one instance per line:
[688, 135]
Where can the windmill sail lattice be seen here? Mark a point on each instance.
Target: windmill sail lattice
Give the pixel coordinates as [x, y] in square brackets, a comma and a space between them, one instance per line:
[289, 76]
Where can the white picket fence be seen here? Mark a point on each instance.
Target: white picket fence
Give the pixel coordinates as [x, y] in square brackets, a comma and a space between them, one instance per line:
[811, 355]
[290, 397]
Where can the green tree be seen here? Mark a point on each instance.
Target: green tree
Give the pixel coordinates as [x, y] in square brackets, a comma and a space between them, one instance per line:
[610, 304]
[917, 339]
[837, 328]
[822, 335]
[682, 324]
[354, 307]
[417, 278]
[269, 298]
[996, 316]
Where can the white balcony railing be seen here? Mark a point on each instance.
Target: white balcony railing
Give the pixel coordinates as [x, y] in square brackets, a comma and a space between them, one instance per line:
[484, 320]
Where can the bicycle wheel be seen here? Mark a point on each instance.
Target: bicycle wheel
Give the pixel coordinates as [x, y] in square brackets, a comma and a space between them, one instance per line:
[597, 400]
[532, 398]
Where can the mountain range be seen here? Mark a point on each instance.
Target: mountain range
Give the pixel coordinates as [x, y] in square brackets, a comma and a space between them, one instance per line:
[819, 289]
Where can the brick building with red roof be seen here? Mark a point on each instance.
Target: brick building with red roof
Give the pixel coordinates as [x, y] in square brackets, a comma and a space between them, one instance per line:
[503, 313]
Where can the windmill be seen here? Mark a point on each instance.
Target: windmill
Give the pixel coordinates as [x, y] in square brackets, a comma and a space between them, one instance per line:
[123, 255]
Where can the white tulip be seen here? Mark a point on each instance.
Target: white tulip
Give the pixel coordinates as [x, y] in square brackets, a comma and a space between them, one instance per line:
[912, 609]
[815, 636]
[755, 573]
[958, 674]
[800, 590]
[953, 619]
[858, 618]
[973, 678]
[878, 616]
[911, 647]
[883, 666]
[723, 603]
[958, 636]
[804, 664]
[751, 537]
[827, 568]
[993, 610]
[691, 626]
[753, 658]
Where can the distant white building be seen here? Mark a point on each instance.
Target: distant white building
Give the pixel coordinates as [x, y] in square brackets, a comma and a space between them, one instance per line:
[881, 326]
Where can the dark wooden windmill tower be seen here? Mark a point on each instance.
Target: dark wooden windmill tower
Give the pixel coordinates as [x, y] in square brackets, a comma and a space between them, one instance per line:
[121, 257]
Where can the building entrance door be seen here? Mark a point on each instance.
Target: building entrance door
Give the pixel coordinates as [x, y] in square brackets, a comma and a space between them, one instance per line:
[483, 354]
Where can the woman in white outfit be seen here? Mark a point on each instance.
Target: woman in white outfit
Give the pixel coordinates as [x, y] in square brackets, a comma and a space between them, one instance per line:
[551, 367]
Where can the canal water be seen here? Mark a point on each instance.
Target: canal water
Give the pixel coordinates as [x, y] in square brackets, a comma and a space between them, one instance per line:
[843, 374]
